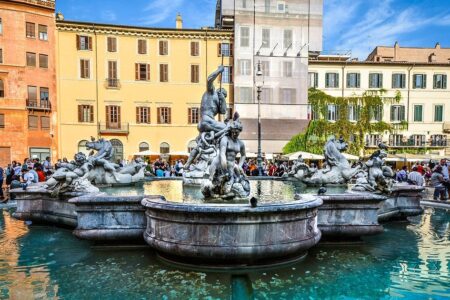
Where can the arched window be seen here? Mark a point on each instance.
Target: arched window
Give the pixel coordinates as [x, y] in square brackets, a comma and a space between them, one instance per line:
[2, 89]
[82, 147]
[164, 148]
[191, 146]
[118, 150]
[144, 147]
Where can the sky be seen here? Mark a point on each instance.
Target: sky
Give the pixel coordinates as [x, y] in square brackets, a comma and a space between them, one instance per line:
[349, 25]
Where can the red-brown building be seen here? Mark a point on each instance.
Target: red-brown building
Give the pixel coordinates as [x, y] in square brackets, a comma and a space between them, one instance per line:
[27, 80]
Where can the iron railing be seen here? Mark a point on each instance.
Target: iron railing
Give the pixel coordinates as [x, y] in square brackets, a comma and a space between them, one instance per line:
[34, 104]
[114, 128]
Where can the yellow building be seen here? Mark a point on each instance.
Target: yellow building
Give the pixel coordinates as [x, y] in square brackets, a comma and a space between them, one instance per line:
[138, 87]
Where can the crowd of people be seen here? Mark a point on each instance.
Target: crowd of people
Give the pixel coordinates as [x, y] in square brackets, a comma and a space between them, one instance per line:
[431, 174]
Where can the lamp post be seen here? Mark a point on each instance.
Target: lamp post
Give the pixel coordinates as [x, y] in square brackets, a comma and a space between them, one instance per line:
[259, 82]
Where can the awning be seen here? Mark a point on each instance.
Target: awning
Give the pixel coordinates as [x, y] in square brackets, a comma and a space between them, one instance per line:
[146, 153]
[305, 155]
[179, 153]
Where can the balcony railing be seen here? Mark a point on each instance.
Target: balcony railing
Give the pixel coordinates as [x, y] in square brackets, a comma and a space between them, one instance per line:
[415, 144]
[114, 128]
[34, 104]
[112, 83]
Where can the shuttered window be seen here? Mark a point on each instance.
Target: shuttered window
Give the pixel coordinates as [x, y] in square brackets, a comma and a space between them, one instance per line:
[112, 69]
[113, 117]
[2, 121]
[143, 115]
[164, 115]
[193, 115]
[142, 46]
[45, 123]
[84, 42]
[33, 122]
[2, 89]
[195, 48]
[112, 44]
[43, 35]
[43, 61]
[85, 68]
[163, 72]
[142, 72]
[31, 59]
[85, 114]
[30, 30]
[163, 47]
[1, 55]
[225, 49]
[32, 93]
[195, 73]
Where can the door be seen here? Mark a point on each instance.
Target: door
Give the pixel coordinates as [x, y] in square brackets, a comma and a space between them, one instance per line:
[113, 117]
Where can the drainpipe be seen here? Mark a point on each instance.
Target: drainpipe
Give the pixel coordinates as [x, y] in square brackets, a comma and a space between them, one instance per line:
[409, 92]
[343, 79]
[96, 81]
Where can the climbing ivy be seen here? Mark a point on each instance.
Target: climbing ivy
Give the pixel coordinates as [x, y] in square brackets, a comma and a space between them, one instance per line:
[365, 107]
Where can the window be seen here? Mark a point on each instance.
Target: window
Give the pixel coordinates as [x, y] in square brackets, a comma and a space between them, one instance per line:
[265, 67]
[112, 73]
[142, 46]
[113, 117]
[245, 95]
[244, 3]
[32, 93]
[43, 61]
[195, 48]
[44, 97]
[397, 113]
[227, 75]
[144, 147]
[331, 113]
[375, 81]
[224, 49]
[33, 122]
[163, 72]
[376, 113]
[118, 150]
[84, 42]
[30, 30]
[267, 6]
[245, 67]
[398, 81]
[331, 80]
[112, 44]
[419, 81]
[417, 140]
[143, 115]
[313, 80]
[163, 47]
[191, 146]
[164, 115]
[439, 113]
[43, 35]
[281, 6]
[265, 38]
[353, 113]
[2, 89]
[45, 123]
[245, 36]
[418, 113]
[396, 140]
[440, 81]
[287, 38]
[142, 72]
[373, 140]
[85, 113]
[85, 68]
[164, 148]
[353, 80]
[287, 96]
[266, 95]
[2, 120]
[287, 68]
[1, 55]
[439, 140]
[195, 73]
[193, 115]
[1, 26]
[31, 59]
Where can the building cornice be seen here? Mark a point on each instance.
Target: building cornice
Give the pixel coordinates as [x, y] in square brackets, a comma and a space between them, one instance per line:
[113, 29]
[46, 4]
[374, 63]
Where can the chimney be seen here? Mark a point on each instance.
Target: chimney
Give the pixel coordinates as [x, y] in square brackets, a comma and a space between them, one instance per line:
[396, 48]
[179, 22]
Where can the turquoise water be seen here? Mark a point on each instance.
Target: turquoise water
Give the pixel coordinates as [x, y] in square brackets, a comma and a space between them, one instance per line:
[267, 191]
[408, 261]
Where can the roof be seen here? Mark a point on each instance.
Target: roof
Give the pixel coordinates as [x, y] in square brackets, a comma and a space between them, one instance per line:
[376, 63]
[273, 129]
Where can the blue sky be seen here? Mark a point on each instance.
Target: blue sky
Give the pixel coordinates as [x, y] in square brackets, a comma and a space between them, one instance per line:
[356, 25]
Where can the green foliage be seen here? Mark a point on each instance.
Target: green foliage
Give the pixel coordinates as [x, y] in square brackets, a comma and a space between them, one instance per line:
[366, 107]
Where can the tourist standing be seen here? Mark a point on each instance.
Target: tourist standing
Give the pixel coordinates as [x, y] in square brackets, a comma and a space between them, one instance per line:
[437, 181]
[47, 166]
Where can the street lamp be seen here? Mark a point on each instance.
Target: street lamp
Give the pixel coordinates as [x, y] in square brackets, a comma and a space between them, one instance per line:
[259, 82]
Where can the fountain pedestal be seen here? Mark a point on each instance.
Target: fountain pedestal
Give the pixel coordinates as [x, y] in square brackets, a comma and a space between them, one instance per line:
[223, 234]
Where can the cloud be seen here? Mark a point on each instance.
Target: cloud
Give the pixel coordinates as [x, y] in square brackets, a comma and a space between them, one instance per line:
[159, 10]
[108, 15]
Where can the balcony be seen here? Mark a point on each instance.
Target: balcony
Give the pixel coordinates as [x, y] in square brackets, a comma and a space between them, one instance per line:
[113, 128]
[420, 144]
[39, 105]
[43, 3]
[112, 83]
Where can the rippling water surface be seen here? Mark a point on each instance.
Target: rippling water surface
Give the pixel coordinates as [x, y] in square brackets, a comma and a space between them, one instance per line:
[408, 261]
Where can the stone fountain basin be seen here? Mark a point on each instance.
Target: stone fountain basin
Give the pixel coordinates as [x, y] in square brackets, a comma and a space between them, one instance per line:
[235, 233]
